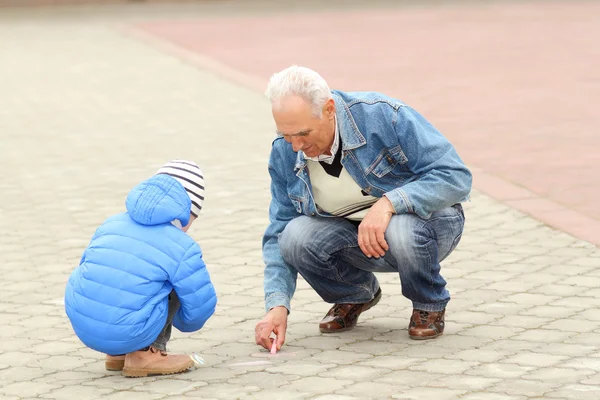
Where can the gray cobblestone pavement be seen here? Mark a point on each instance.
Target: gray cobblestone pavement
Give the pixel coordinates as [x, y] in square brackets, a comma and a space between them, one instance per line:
[86, 112]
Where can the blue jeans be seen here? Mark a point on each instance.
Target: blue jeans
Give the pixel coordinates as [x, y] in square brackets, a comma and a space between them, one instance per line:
[161, 341]
[325, 252]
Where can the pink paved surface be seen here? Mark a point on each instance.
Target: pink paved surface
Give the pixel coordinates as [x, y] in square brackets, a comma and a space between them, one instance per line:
[515, 87]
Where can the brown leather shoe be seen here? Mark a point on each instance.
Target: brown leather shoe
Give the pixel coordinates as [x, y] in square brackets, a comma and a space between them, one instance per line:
[426, 324]
[114, 363]
[343, 317]
[155, 362]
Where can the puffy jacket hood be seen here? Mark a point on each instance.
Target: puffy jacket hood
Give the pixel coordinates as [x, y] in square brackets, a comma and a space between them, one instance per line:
[159, 200]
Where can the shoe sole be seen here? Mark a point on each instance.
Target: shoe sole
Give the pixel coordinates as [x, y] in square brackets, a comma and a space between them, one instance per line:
[348, 328]
[425, 337]
[325, 330]
[141, 373]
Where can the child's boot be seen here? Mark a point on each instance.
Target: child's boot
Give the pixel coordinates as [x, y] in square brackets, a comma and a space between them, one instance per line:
[114, 363]
[151, 361]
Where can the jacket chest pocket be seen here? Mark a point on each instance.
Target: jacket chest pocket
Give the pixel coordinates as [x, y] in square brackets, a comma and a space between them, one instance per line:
[297, 202]
[298, 193]
[389, 161]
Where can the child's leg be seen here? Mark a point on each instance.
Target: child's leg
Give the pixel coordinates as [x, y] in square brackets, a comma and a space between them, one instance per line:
[161, 341]
[153, 360]
[117, 362]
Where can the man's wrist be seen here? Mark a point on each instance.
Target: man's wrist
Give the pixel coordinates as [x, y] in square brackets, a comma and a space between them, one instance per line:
[279, 308]
[388, 205]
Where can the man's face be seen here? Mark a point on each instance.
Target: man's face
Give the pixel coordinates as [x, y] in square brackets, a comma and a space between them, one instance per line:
[299, 126]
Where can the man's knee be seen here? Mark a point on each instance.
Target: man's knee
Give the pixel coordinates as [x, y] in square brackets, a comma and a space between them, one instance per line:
[309, 240]
[295, 239]
[408, 238]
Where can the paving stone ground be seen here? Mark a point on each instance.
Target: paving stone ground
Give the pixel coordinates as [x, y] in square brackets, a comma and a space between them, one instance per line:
[87, 111]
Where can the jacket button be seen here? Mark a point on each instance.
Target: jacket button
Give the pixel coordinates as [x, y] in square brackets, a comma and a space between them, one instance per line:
[312, 214]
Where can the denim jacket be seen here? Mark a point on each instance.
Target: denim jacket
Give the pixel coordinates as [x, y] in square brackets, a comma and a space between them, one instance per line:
[388, 149]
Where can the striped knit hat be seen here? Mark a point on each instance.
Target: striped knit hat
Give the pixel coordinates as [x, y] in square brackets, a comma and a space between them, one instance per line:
[190, 176]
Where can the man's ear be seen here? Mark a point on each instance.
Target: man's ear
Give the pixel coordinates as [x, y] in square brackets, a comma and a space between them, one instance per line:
[330, 109]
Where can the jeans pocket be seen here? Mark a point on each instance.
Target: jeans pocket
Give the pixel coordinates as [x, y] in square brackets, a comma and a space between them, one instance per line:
[459, 207]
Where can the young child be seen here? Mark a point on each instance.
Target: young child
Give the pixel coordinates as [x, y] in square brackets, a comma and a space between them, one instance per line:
[141, 274]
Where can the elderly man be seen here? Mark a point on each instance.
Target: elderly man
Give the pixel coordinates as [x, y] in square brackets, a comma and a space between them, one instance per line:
[360, 183]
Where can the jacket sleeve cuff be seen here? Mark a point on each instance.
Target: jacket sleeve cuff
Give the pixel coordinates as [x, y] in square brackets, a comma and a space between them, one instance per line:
[276, 300]
[399, 201]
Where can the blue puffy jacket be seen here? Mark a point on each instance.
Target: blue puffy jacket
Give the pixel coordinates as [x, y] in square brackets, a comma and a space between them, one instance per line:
[117, 299]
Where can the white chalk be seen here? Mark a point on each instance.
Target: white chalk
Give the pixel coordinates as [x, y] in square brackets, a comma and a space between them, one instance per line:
[197, 359]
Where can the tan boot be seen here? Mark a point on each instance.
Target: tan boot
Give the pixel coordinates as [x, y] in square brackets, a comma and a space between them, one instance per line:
[155, 362]
[114, 363]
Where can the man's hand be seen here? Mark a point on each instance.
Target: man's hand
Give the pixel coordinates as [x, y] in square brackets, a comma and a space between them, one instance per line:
[275, 321]
[371, 230]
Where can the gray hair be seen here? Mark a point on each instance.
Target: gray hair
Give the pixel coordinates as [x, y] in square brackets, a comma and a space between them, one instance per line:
[302, 82]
